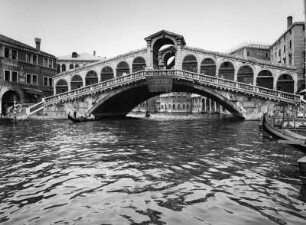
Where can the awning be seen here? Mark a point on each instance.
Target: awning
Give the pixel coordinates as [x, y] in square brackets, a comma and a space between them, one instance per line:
[33, 91]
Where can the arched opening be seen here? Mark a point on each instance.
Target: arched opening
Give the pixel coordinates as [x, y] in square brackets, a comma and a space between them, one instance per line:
[285, 83]
[138, 64]
[208, 67]
[227, 71]
[71, 66]
[265, 79]
[245, 75]
[91, 78]
[58, 68]
[107, 73]
[76, 82]
[190, 63]
[63, 68]
[161, 46]
[77, 66]
[61, 86]
[8, 100]
[122, 69]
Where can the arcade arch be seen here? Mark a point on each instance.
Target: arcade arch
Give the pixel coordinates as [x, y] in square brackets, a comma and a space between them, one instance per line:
[190, 63]
[61, 86]
[138, 64]
[245, 75]
[122, 68]
[265, 79]
[91, 78]
[208, 67]
[107, 73]
[285, 83]
[227, 71]
[76, 82]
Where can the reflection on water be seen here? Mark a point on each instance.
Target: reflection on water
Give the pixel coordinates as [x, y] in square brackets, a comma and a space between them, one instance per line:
[147, 171]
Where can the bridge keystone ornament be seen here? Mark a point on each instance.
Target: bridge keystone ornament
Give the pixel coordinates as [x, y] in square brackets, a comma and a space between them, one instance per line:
[160, 84]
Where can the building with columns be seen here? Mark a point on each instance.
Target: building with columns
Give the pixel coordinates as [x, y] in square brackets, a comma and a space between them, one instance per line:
[26, 73]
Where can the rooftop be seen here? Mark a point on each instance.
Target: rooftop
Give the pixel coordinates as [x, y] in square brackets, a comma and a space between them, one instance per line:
[81, 57]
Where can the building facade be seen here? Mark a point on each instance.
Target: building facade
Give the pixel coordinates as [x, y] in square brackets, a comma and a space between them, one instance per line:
[289, 49]
[253, 50]
[76, 60]
[26, 73]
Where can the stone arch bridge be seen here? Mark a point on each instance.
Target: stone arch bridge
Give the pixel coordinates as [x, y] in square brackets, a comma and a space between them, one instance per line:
[246, 87]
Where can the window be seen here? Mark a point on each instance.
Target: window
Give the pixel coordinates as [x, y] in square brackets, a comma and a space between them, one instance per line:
[6, 52]
[14, 54]
[29, 58]
[71, 66]
[29, 79]
[34, 59]
[50, 63]
[173, 106]
[290, 44]
[284, 48]
[14, 76]
[50, 82]
[45, 63]
[45, 81]
[35, 80]
[7, 75]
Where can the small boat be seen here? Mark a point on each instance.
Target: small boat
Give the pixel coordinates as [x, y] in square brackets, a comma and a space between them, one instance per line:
[288, 137]
[80, 119]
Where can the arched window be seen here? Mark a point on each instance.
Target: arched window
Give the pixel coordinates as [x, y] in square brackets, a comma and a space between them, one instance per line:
[63, 68]
[285, 83]
[61, 86]
[76, 82]
[71, 66]
[265, 79]
[190, 63]
[91, 78]
[107, 73]
[122, 68]
[227, 71]
[245, 75]
[138, 64]
[208, 67]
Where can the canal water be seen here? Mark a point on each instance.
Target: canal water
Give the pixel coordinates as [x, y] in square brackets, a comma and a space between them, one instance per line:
[179, 170]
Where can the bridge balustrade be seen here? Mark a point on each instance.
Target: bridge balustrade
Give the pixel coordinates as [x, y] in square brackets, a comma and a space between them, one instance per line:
[215, 81]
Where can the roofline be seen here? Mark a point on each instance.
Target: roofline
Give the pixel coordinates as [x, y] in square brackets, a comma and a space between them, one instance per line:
[257, 46]
[284, 33]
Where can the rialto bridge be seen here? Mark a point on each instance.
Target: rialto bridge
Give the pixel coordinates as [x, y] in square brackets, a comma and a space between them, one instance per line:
[247, 87]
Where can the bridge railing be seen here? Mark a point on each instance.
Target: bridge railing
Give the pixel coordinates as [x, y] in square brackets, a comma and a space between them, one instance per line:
[195, 77]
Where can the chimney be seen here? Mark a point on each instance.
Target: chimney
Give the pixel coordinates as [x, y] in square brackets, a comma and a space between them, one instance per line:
[37, 42]
[94, 53]
[289, 21]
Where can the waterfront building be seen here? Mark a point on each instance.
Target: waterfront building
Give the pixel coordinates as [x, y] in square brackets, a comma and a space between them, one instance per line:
[26, 73]
[201, 104]
[176, 102]
[76, 60]
[289, 49]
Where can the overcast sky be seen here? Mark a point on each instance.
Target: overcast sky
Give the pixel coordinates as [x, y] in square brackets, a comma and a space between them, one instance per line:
[113, 27]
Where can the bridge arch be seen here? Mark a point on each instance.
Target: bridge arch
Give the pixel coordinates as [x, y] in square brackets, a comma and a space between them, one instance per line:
[139, 63]
[265, 79]
[227, 70]
[157, 44]
[76, 82]
[91, 78]
[121, 101]
[190, 63]
[107, 73]
[285, 83]
[61, 86]
[208, 67]
[245, 74]
[122, 68]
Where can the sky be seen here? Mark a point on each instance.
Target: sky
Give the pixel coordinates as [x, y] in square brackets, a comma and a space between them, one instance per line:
[113, 27]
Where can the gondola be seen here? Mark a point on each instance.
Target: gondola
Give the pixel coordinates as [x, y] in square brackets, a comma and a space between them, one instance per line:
[287, 137]
[80, 119]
